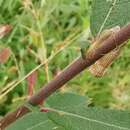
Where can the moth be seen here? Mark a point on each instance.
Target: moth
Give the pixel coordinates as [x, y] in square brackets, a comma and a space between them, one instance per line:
[98, 69]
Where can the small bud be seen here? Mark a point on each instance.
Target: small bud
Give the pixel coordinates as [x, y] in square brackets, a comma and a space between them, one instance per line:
[4, 29]
[4, 55]
[44, 110]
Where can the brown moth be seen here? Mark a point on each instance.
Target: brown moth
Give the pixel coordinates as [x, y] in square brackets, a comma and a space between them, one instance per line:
[99, 68]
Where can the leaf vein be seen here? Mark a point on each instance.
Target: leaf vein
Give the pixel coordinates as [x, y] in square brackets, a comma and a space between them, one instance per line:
[41, 123]
[88, 119]
[107, 16]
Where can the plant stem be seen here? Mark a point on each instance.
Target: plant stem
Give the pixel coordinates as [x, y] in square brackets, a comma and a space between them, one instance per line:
[68, 73]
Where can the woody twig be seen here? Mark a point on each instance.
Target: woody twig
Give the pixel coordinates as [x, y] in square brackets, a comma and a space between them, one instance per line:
[68, 73]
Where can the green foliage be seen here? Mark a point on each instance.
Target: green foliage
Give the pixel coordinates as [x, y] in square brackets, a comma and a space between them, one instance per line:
[50, 25]
[109, 13]
[71, 112]
[42, 27]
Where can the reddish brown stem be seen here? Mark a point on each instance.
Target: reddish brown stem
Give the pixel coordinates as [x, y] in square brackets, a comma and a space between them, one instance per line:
[71, 71]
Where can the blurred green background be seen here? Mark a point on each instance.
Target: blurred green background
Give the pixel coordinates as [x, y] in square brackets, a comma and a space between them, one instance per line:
[42, 28]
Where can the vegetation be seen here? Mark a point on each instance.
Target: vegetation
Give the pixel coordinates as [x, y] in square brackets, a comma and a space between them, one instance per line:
[45, 39]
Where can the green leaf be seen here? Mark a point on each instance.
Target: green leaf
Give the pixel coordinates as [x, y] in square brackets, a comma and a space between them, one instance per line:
[71, 112]
[67, 100]
[109, 13]
[33, 121]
